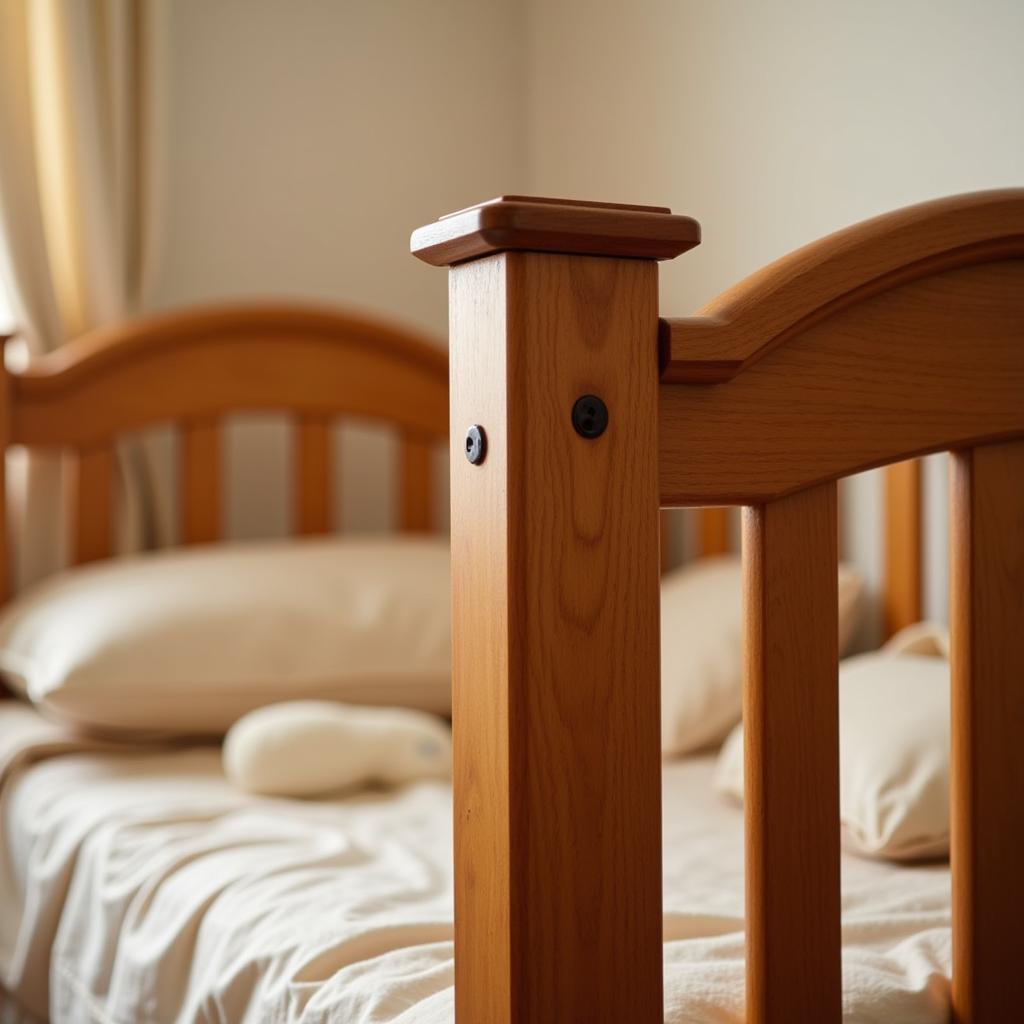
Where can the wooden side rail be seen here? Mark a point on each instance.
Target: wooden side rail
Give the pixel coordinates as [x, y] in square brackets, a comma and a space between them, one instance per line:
[893, 339]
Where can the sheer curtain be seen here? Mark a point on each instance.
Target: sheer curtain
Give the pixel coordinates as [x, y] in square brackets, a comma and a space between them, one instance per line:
[77, 108]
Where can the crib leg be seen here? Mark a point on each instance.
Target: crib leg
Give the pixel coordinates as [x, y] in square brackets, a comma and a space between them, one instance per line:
[556, 658]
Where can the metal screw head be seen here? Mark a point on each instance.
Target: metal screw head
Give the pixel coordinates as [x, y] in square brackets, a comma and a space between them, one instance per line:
[589, 416]
[476, 444]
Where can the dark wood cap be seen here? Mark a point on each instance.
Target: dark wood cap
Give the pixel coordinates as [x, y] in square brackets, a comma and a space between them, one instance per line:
[535, 224]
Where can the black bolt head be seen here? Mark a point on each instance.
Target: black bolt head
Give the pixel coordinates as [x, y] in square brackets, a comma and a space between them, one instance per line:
[476, 444]
[589, 416]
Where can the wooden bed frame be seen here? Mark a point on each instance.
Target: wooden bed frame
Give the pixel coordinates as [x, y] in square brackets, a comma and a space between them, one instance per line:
[898, 337]
[192, 369]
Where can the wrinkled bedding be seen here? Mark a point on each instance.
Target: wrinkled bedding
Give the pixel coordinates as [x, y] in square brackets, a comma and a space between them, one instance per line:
[140, 887]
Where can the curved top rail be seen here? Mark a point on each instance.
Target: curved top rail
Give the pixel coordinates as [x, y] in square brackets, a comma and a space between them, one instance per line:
[788, 296]
[97, 350]
[195, 364]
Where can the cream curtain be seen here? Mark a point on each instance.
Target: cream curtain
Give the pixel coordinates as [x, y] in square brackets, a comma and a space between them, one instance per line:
[77, 106]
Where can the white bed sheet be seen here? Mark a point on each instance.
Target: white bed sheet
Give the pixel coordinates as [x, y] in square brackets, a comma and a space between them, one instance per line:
[143, 888]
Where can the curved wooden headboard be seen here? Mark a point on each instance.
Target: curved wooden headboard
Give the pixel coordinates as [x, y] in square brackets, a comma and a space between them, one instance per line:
[193, 367]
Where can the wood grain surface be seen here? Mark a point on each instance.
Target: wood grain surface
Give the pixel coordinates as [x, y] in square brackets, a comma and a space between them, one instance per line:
[987, 626]
[539, 224]
[203, 364]
[791, 759]
[934, 364]
[790, 295]
[556, 654]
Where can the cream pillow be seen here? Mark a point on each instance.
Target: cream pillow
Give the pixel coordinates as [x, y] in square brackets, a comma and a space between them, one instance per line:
[702, 648]
[893, 755]
[188, 641]
[313, 748]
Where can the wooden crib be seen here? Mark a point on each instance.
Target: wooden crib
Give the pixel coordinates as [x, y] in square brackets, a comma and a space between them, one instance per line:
[192, 369]
[898, 337]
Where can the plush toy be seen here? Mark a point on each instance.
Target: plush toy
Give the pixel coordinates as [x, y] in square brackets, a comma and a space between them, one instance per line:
[312, 748]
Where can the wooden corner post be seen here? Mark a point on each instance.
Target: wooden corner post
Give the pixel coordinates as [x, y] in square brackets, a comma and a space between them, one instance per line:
[555, 607]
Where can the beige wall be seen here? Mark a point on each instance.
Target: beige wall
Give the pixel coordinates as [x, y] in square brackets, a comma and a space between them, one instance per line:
[304, 139]
[301, 141]
[774, 122]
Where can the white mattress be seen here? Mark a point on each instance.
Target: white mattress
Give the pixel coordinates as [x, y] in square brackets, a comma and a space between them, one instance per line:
[143, 888]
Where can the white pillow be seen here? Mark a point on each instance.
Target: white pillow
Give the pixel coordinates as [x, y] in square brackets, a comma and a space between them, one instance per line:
[893, 756]
[187, 641]
[702, 648]
[313, 748]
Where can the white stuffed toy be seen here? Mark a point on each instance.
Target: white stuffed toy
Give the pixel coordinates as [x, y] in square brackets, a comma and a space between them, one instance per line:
[312, 748]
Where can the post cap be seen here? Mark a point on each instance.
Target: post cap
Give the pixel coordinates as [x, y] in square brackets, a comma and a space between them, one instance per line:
[537, 224]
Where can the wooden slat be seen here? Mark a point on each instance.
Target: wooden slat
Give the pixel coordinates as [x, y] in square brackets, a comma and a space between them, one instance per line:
[987, 621]
[556, 657]
[791, 729]
[313, 475]
[712, 532]
[903, 583]
[92, 500]
[416, 485]
[200, 482]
